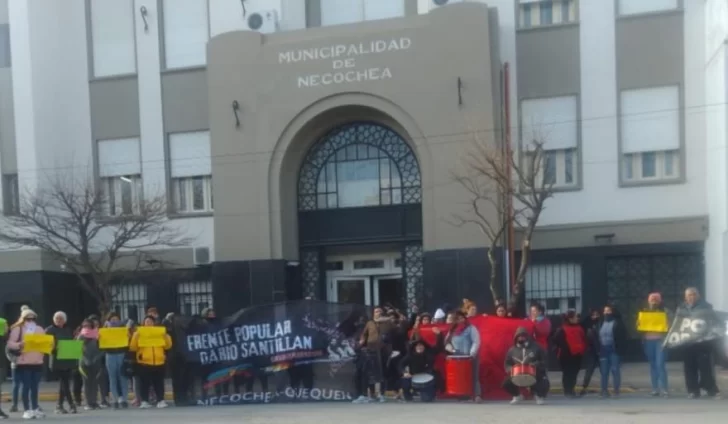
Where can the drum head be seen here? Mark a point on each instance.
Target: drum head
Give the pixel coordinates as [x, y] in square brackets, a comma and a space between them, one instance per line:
[458, 357]
[421, 378]
[523, 380]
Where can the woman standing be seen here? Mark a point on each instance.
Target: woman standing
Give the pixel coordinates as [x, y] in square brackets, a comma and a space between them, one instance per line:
[464, 339]
[62, 368]
[570, 341]
[118, 382]
[612, 338]
[151, 361]
[652, 343]
[91, 363]
[29, 365]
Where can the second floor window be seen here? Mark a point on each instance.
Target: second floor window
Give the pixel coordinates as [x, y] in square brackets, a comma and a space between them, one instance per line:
[191, 172]
[536, 13]
[650, 134]
[120, 170]
[553, 122]
[337, 12]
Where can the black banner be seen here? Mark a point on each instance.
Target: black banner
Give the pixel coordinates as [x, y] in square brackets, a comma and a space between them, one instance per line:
[293, 351]
[694, 326]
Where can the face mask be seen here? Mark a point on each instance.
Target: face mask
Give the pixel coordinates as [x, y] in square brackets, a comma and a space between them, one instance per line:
[608, 317]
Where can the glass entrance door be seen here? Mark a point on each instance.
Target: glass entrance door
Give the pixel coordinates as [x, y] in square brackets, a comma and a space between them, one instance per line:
[389, 290]
[350, 290]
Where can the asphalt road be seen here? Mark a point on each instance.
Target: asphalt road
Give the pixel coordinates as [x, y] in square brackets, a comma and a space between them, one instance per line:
[631, 409]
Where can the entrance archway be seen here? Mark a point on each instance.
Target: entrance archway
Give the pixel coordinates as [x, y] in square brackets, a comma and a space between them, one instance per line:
[360, 192]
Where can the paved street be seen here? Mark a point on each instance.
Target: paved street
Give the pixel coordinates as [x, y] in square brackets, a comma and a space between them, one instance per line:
[631, 409]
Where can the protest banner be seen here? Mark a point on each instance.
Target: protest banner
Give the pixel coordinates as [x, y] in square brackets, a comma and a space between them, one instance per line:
[652, 322]
[113, 338]
[41, 343]
[694, 326]
[69, 349]
[151, 336]
[293, 351]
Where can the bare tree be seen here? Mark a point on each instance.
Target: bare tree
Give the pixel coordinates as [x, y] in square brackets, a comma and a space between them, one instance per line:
[64, 219]
[493, 176]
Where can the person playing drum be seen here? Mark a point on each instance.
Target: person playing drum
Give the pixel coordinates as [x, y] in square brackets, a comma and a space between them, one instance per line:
[526, 368]
[417, 371]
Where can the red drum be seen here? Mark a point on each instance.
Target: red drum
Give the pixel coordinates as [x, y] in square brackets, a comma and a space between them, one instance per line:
[459, 375]
[523, 375]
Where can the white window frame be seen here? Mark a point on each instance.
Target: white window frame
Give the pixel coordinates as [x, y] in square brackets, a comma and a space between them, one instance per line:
[557, 15]
[99, 53]
[112, 189]
[669, 5]
[166, 37]
[11, 194]
[560, 157]
[633, 162]
[186, 184]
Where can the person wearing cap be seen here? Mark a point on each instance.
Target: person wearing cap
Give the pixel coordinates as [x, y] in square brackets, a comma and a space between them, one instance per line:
[652, 344]
[62, 368]
[439, 317]
[29, 365]
[419, 360]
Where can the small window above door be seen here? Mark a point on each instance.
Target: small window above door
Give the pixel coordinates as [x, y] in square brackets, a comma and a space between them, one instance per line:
[369, 264]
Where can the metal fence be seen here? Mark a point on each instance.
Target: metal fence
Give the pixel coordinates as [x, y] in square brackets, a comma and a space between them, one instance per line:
[556, 286]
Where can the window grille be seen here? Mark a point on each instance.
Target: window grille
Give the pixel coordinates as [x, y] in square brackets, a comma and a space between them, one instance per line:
[555, 286]
[194, 296]
[129, 301]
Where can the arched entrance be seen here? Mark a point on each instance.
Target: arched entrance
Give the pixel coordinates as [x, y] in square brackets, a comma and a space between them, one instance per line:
[360, 225]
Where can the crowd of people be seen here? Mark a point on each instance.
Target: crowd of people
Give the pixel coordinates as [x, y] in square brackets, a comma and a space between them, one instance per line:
[101, 378]
[393, 357]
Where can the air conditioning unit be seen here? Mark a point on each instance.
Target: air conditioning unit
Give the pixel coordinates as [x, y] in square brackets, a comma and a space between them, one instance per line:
[434, 4]
[201, 256]
[265, 22]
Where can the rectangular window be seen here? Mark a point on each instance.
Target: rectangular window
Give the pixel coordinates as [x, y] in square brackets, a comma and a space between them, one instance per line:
[554, 123]
[534, 13]
[11, 194]
[112, 35]
[5, 57]
[547, 12]
[194, 296]
[338, 12]
[120, 169]
[632, 7]
[129, 301]
[191, 171]
[555, 286]
[186, 32]
[650, 133]
[651, 166]
[383, 9]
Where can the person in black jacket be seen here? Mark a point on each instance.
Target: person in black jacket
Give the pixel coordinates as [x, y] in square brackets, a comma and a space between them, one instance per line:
[612, 338]
[62, 368]
[419, 360]
[698, 357]
[591, 356]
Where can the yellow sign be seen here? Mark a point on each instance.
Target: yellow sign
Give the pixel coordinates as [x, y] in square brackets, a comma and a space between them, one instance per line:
[652, 322]
[41, 343]
[152, 336]
[113, 338]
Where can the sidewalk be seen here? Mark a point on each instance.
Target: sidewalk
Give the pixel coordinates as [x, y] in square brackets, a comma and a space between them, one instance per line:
[635, 378]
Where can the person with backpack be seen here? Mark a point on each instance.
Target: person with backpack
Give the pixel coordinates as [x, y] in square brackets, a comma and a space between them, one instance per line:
[91, 363]
[62, 368]
[28, 365]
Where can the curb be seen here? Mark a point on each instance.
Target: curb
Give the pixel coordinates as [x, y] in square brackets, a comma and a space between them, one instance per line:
[53, 397]
[169, 396]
